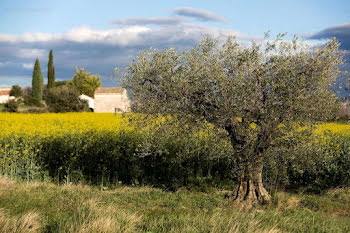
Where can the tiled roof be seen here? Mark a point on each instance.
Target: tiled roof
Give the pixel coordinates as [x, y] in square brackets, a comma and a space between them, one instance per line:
[109, 90]
[4, 92]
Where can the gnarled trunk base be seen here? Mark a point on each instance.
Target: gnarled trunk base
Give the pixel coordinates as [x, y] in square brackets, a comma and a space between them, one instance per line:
[250, 190]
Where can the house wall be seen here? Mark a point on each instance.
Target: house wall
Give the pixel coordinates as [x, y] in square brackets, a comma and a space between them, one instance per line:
[108, 102]
[4, 95]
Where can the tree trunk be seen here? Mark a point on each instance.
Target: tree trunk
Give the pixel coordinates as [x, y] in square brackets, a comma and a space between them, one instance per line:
[250, 159]
[250, 189]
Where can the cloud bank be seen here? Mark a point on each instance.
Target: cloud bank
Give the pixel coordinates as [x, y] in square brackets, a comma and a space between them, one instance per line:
[150, 21]
[201, 15]
[341, 32]
[98, 51]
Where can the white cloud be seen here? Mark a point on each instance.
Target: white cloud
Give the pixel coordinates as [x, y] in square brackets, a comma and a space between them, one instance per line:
[202, 15]
[150, 21]
[28, 66]
[119, 36]
[82, 34]
[99, 51]
[32, 53]
[126, 36]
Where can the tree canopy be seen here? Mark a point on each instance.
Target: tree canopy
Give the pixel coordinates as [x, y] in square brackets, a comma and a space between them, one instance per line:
[16, 91]
[50, 72]
[85, 83]
[37, 82]
[254, 93]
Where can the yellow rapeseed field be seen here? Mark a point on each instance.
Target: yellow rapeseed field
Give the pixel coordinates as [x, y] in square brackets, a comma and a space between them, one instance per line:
[334, 128]
[92, 144]
[55, 124]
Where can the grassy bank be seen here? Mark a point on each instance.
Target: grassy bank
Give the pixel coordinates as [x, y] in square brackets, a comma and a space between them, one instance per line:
[47, 207]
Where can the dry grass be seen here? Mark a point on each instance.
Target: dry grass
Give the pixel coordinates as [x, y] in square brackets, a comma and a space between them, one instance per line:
[6, 184]
[46, 207]
[102, 220]
[27, 223]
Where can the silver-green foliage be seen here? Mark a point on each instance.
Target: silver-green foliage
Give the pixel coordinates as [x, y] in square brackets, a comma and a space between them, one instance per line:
[254, 92]
[234, 85]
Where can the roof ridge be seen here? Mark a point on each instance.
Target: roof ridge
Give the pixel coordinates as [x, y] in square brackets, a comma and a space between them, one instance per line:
[118, 90]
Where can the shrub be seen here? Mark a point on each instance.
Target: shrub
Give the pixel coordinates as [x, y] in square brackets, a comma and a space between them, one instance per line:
[64, 99]
[16, 91]
[36, 110]
[133, 158]
[31, 101]
[27, 90]
[61, 83]
[11, 106]
[314, 162]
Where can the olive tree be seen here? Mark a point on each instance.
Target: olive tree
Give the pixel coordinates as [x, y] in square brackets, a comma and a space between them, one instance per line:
[254, 93]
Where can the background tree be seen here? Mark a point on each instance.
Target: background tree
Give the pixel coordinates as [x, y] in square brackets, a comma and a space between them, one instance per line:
[254, 94]
[50, 72]
[16, 91]
[37, 82]
[85, 83]
[65, 99]
[61, 83]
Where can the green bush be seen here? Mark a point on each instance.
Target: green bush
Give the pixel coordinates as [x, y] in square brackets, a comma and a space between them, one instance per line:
[132, 158]
[31, 101]
[64, 99]
[171, 160]
[36, 110]
[16, 91]
[61, 83]
[314, 163]
[11, 106]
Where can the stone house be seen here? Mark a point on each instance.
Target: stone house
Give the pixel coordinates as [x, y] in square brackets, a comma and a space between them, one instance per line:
[5, 94]
[111, 99]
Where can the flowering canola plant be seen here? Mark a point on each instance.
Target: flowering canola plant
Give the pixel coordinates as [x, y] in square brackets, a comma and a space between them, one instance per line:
[22, 137]
[55, 124]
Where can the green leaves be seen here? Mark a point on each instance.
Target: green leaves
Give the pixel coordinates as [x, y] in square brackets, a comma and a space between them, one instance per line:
[85, 83]
[37, 82]
[50, 72]
[267, 84]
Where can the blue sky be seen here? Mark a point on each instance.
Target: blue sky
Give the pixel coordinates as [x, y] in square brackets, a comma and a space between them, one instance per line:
[101, 35]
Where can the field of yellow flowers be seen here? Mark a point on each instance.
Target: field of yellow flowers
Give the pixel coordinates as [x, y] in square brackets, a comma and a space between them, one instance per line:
[53, 124]
[90, 146]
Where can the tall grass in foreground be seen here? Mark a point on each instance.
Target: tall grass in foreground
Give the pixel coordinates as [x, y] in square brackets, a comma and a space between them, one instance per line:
[47, 207]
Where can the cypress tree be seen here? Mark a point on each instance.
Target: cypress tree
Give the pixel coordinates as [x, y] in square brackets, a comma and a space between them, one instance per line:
[37, 82]
[50, 72]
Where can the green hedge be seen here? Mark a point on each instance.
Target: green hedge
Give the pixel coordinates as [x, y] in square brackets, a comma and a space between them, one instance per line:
[171, 161]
